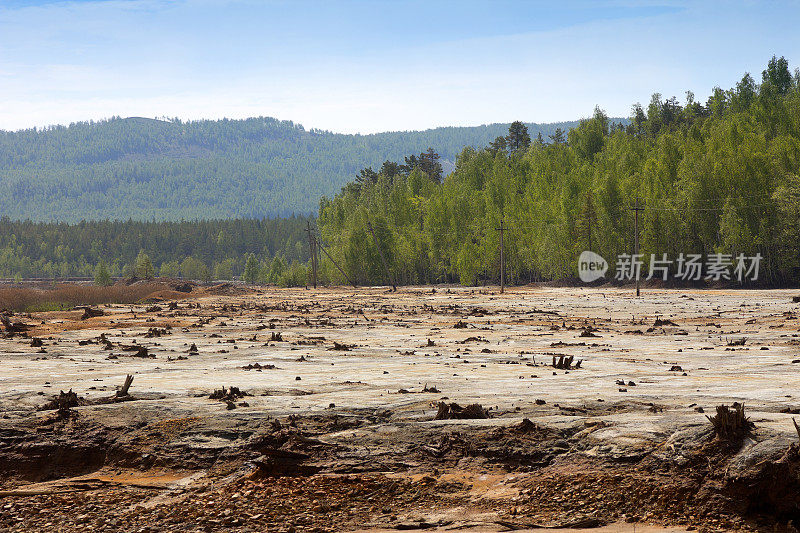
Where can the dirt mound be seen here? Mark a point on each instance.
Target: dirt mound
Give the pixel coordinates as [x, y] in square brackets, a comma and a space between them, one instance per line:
[226, 289]
[168, 294]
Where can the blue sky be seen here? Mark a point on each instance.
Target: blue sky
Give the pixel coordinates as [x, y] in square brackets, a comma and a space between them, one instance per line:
[367, 66]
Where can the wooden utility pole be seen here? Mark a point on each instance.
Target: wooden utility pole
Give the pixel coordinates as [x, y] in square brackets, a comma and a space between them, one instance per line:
[313, 251]
[335, 264]
[383, 259]
[636, 208]
[315, 262]
[502, 229]
[316, 253]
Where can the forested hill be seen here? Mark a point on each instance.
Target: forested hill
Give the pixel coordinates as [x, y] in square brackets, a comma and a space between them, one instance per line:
[713, 178]
[148, 169]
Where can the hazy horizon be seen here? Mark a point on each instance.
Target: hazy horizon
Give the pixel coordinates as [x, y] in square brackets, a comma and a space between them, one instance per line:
[305, 127]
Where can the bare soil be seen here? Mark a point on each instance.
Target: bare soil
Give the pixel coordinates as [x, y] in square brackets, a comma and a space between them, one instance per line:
[425, 409]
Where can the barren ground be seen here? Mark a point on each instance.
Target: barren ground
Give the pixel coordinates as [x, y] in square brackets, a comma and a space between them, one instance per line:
[337, 431]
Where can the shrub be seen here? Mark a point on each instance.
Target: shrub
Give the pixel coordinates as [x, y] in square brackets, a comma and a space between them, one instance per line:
[224, 269]
[170, 269]
[193, 268]
[57, 297]
[295, 276]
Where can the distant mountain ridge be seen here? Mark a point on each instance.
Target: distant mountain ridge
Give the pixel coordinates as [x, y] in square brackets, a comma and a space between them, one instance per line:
[147, 169]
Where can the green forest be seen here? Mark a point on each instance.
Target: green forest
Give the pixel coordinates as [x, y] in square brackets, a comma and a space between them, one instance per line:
[144, 169]
[719, 176]
[714, 176]
[215, 249]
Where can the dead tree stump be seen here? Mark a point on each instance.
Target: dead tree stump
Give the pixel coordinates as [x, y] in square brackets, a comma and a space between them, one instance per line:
[730, 423]
[564, 362]
[124, 390]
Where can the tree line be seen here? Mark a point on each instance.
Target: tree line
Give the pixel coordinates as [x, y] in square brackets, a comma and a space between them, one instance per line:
[210, 249]
[146, 169]
[720, 176]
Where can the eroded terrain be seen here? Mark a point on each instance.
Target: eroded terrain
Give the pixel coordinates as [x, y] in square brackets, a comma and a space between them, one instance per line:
[591, 411]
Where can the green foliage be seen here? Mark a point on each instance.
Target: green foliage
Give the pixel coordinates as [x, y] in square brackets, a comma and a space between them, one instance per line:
[143, 267]
[275, 270]
[144, 169]
[170, 269]
[777, 74]
[52, 250]
[193, 268]
[48, 307]
[716, 178]
[294, 276]
[427, 162]
[588, 138]
[101, 275]
[224, 269]
[251, 269]
[518, 138]
[558, 137]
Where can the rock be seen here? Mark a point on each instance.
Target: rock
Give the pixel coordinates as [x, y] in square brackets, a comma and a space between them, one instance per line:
[89, 312]
[453, 411]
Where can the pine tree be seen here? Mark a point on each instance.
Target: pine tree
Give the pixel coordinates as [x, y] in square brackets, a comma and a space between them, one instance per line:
[251, 269]
[499, 145]
[430, 165]
[389, 169]
[777, 74]
[558, 137]
[101, 275]
[143, 268]
[518, 138]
